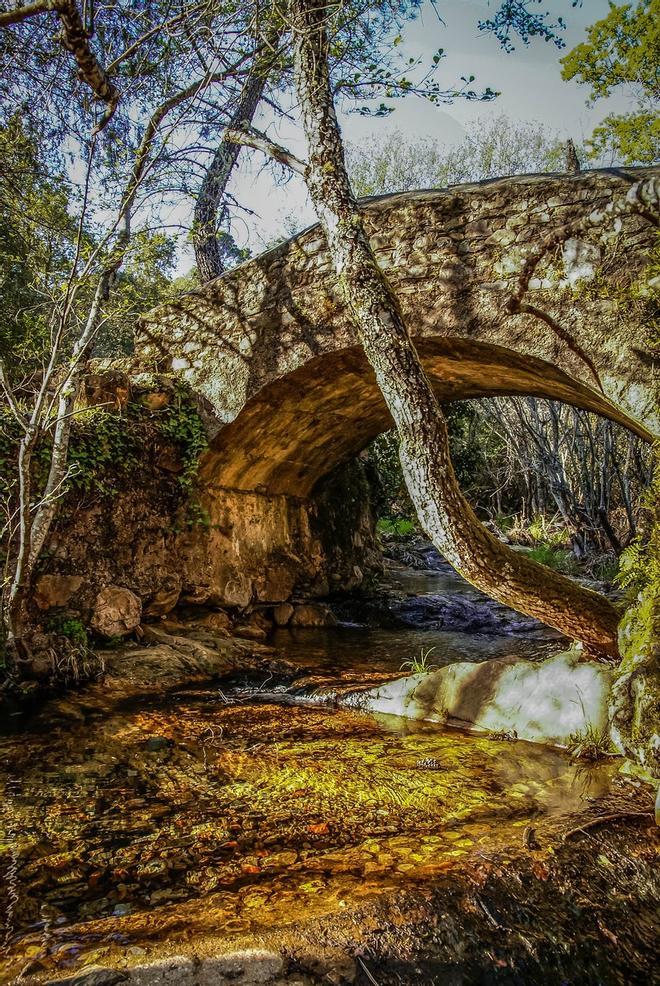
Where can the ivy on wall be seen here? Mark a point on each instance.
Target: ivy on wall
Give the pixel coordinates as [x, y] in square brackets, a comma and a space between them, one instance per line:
[110, 450]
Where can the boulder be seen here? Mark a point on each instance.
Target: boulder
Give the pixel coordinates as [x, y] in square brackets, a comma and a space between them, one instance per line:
[547, 701]
[313, 615]
[165, 598]
[117, 612]
[237, 591]
[218, 621]
[259, 619]
[282, 614]
[56, 590]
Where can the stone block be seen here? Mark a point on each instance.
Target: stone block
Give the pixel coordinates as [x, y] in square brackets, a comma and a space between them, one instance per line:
[56, 590]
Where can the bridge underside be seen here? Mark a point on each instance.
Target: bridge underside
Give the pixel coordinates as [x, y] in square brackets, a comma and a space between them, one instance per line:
[301, 427]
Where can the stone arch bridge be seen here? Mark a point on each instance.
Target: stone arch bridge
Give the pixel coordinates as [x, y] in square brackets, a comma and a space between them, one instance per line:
[525, 285]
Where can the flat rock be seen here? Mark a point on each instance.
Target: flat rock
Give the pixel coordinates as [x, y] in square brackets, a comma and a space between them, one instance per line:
[93, 976]
[543, 702]
[245, 968]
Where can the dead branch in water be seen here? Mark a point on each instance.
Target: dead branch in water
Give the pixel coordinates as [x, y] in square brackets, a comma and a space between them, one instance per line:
[602, 819]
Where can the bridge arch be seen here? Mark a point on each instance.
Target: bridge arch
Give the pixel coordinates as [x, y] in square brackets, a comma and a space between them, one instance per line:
[270, 348]
[456, 258]
[300, 427]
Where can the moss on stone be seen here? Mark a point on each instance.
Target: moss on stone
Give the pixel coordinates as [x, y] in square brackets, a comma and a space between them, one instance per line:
[635, 710]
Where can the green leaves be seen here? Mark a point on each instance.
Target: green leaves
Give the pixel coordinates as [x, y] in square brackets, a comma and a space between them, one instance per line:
[514, 17]
[181, 424]
[36, 244]
[491, 147]
[622, 51]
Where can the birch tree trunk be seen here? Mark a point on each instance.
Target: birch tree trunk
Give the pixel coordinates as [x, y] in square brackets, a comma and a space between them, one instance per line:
[443, 511]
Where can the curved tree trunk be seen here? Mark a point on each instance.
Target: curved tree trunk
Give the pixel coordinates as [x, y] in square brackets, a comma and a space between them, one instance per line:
[208, 253]
[444, 513]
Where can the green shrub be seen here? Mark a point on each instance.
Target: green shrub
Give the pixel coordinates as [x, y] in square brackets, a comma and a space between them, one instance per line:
[547, 534]
[559, 560]
[181, 424]
[71, 628]
[400, 526]
[104, 447]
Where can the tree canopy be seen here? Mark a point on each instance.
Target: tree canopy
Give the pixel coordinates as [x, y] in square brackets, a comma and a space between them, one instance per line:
[491, 148]
[622, 52]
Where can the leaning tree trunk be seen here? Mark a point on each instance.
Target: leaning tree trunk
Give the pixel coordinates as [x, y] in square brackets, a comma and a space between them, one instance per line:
[444, 513]
[208, 253]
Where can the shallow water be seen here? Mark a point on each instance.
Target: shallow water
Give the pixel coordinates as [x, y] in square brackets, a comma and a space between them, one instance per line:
[364, 652]
[255, 804]
[205, 814]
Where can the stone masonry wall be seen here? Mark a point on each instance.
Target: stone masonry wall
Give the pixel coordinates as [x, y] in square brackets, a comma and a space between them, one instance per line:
[454, 258]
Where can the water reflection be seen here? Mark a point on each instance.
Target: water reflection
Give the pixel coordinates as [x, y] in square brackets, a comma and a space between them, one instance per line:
[366, 650]
[201, 816]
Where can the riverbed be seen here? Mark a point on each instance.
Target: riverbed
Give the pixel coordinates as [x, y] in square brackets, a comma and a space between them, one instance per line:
[243, 812]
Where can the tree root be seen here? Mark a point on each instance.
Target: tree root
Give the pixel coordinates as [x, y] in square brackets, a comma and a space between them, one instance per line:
[602, 819]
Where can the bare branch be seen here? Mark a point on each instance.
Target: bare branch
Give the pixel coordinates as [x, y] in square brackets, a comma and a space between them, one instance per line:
[260, 142]
[76, 40]
[164, 26]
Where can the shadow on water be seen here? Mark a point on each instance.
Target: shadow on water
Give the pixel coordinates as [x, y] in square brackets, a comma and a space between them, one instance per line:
[255, 804]
[203, 814]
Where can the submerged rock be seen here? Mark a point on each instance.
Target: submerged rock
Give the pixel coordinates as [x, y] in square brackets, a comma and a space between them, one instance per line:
[313, 615]
[550, 701]
[93, 976]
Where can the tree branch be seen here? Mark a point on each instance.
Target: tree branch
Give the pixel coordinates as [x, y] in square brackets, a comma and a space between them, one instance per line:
[163, 26]
[260, 142]
[19, 14]
[76, 40]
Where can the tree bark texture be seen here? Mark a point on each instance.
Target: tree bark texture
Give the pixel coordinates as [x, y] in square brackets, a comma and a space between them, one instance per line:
[208, 254]
[507, 576]
[75, 39]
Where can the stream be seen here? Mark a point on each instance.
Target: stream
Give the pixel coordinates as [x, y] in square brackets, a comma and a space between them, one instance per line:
[254, 805]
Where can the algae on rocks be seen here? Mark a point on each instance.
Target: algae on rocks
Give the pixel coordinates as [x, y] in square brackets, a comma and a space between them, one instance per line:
[635, 707]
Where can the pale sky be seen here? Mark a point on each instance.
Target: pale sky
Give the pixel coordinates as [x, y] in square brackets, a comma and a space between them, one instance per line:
[529, 80]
